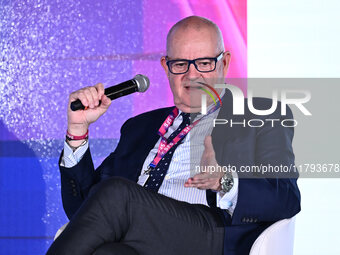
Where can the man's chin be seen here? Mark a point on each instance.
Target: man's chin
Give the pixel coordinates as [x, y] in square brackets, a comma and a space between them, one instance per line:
[189, 108]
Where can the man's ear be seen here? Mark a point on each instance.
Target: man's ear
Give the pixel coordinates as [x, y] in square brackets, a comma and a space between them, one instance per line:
[226, 61]
[164, 65]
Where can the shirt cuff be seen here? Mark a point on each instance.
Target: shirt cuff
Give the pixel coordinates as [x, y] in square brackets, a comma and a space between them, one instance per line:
[227, 201]
[72, 158]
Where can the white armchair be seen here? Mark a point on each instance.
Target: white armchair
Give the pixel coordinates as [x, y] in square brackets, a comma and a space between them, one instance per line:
[278, 239]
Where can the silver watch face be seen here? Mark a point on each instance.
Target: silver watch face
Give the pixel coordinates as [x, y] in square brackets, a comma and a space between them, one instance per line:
[227, 182]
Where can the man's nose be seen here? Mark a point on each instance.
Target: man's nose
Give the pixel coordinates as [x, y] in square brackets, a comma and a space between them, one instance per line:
[192, 72]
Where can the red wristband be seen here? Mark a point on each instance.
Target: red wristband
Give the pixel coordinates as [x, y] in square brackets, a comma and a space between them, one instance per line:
[70, 137]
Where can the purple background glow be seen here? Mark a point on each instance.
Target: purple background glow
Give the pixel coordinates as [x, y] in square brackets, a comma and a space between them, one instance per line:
[51, 48]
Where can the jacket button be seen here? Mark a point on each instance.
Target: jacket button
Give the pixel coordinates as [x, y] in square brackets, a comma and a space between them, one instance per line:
[74, 192]
[251, 220]
[255, 220]
[245, 219]
[72, 181]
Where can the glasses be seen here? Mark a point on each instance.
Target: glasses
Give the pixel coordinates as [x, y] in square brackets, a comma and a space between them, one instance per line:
[203, 65]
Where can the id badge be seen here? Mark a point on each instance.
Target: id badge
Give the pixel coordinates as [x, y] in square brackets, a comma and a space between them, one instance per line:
[143, 179]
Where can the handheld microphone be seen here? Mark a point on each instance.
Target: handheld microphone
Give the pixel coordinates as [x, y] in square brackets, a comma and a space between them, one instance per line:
[139, 83]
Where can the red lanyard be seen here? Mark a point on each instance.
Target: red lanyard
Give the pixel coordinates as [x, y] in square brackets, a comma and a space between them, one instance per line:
[164, 146]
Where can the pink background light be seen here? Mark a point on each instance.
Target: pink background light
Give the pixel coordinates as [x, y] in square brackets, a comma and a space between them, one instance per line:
[160, 16]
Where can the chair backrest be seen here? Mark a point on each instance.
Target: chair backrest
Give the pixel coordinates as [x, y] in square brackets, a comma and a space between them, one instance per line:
[278, 239]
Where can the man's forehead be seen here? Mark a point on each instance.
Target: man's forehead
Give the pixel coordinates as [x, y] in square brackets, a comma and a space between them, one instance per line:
[193, 34]
[204, 40]
[195, 44]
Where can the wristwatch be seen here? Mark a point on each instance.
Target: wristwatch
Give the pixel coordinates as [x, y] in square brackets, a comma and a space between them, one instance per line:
[227, 182]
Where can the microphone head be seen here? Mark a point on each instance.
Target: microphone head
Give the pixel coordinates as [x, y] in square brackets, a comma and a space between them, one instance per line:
[143, 82]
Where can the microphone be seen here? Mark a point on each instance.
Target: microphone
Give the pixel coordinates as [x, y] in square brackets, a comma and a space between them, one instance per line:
[139, 83]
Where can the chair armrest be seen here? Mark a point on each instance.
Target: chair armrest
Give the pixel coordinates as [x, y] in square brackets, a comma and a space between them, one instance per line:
[277, 239]
[60, 230]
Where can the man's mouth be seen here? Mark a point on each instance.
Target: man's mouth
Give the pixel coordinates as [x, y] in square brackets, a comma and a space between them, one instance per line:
[196, 85]
[193, 86]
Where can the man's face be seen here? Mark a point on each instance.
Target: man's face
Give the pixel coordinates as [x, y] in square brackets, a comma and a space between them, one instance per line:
[192, 44]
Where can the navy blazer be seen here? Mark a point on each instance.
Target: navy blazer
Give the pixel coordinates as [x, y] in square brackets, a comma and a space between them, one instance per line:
[261, 201]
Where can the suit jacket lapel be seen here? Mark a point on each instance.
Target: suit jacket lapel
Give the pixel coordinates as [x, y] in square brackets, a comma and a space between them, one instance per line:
[221, 133]
[150, 138]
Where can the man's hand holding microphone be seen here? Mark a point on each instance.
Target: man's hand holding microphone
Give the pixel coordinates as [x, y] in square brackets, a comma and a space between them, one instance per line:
[86, 105]
[79, 121]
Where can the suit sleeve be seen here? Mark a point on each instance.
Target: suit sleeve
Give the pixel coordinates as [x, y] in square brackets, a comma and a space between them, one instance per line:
[269, 197]
[77, 181]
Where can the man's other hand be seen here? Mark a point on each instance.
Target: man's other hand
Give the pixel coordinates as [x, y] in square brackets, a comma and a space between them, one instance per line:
[210, 175]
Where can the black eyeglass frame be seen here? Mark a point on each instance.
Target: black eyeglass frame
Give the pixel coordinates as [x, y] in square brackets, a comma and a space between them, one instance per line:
[216, 59]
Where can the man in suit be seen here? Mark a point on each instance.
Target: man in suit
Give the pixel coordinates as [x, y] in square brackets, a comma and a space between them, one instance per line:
[144, 198]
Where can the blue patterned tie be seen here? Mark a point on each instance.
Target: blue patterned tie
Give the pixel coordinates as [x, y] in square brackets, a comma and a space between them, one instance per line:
[157, 175]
